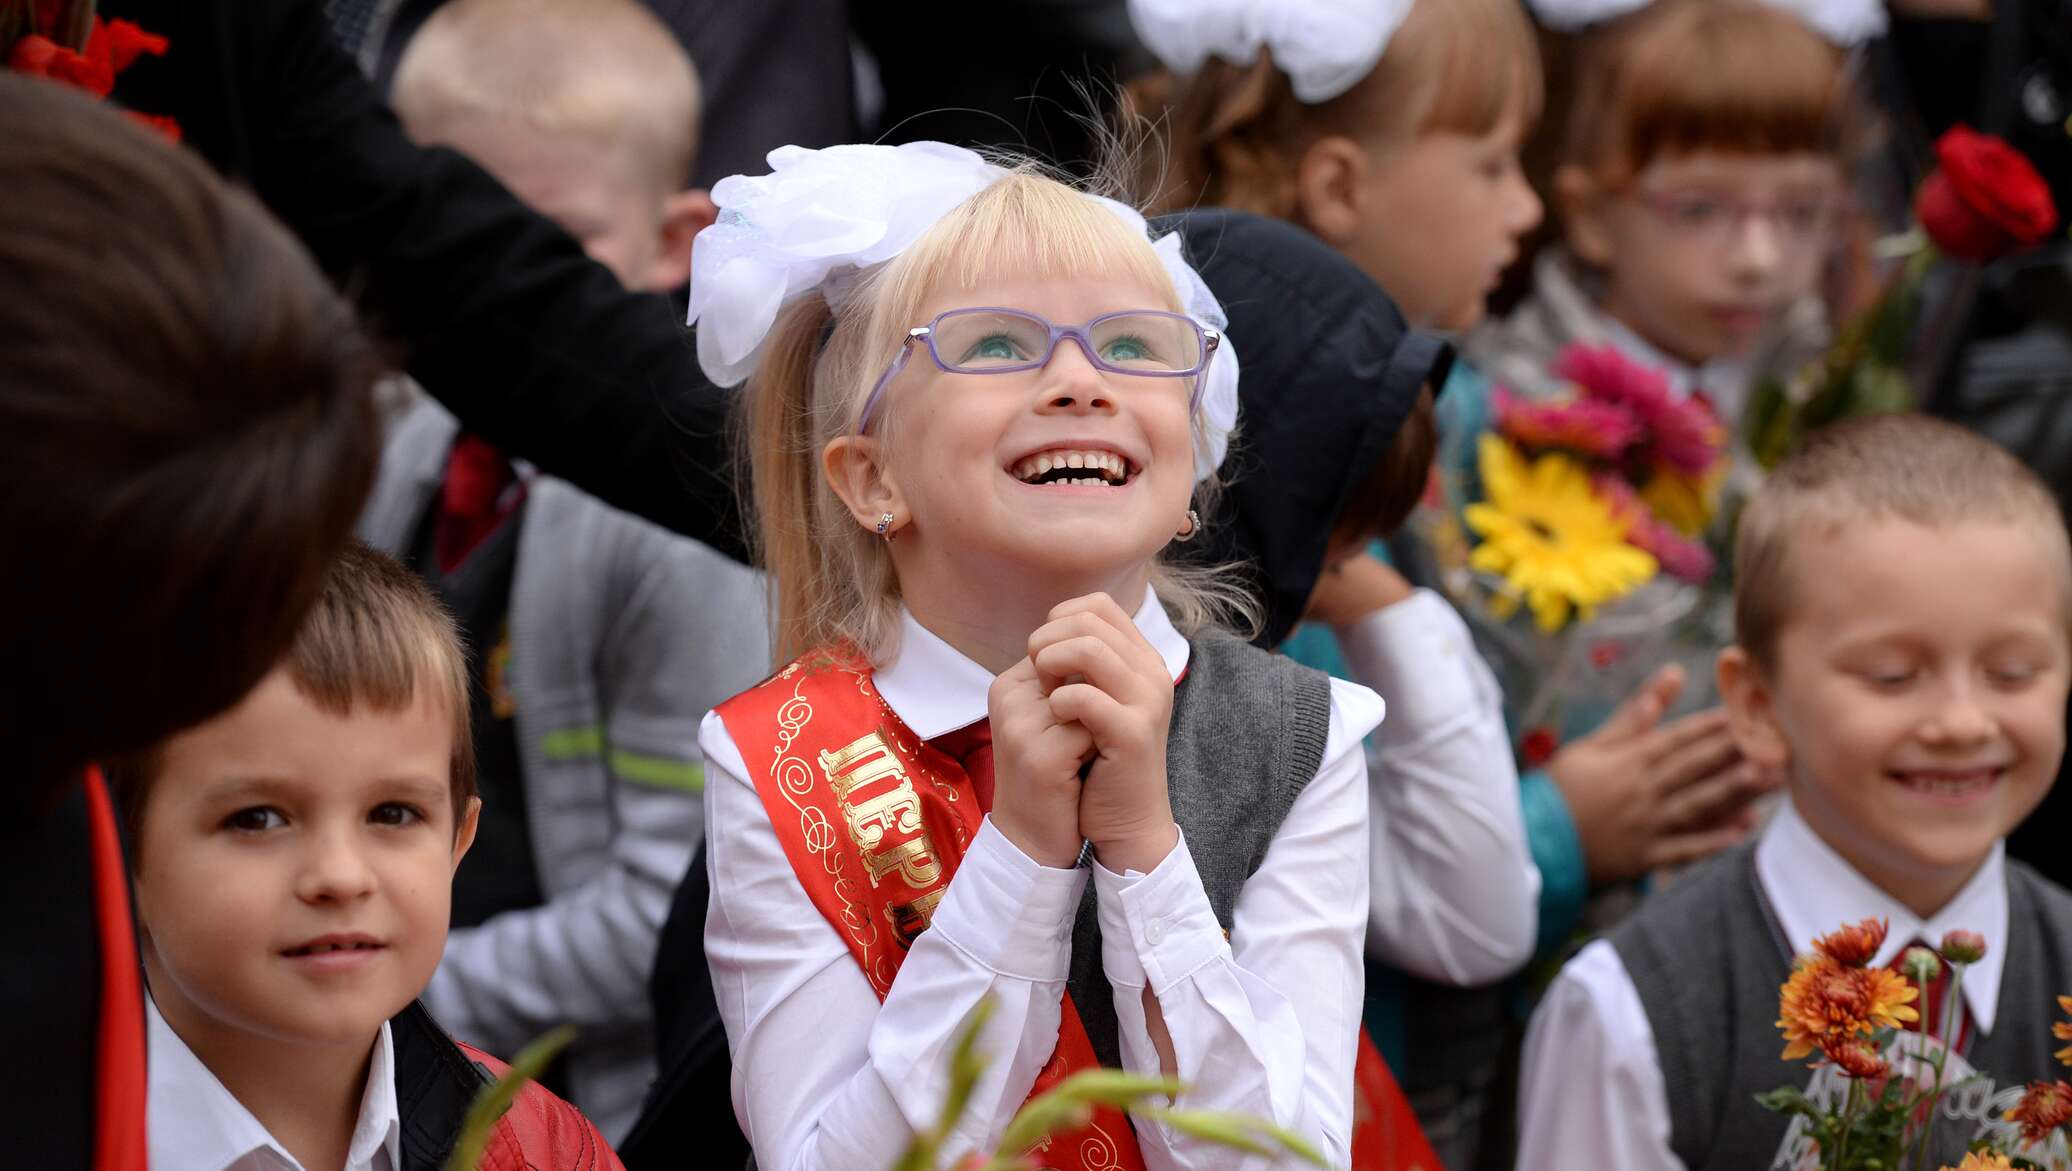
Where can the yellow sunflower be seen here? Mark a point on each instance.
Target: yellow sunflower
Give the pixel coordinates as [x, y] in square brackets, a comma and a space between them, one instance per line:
[1684, 503]
[1552, 539]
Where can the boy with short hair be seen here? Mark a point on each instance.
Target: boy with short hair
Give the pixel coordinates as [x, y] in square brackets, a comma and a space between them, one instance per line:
[1903, 606]
[294, 863]
[600, 640]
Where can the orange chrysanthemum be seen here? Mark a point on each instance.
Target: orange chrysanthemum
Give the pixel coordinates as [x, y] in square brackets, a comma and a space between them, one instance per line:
[2063, 1031]
[1983, 1161]
[2045, 1107]
[1826, 1005]
[1859, 1059]
[1853, 946]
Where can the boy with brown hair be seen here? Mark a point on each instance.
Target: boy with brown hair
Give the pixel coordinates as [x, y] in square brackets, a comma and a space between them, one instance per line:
[294, 863]
[599, 640]
[1903, 607]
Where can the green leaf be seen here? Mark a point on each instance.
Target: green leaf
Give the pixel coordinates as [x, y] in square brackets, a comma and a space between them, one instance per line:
[1239, 1132]
[495, 1098]
[1043, 1117]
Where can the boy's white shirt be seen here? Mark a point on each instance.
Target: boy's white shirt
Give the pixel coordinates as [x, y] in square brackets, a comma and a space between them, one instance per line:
[1264, 1022]
[1592, 1094]
[195, 1124]
[1454, 896]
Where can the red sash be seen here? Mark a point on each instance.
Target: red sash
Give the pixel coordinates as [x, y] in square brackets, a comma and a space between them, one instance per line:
[875, 821]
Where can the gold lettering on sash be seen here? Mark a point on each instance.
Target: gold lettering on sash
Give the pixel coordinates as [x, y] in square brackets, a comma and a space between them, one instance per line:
[914, 859]
[909, 920]
[894, 808]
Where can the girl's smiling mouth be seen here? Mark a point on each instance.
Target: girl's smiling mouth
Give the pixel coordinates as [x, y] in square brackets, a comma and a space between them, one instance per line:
[1085, 467]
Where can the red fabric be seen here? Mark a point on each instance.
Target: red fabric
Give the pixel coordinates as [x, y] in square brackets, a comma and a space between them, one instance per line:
[1386, 1136]
[874, 823]
[110, 48]
[119, 1093]
[972, 748]
[1984, 200]
[473, 498]
[540, 1132]
[1930, 1006]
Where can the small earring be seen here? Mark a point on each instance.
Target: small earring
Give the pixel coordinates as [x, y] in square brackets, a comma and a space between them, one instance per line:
[885, 520]
[1193, 526]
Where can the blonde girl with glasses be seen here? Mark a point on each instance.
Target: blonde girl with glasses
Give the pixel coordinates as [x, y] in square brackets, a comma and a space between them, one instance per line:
[1014, 756]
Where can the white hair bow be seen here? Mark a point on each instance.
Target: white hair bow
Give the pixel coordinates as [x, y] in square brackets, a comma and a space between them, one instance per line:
[1845, 22]
[820, 218]
[1324, 46]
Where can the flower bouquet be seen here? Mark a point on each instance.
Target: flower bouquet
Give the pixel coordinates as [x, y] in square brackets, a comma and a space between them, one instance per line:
[1878, 1093]
[1983, 202]
[1576, 543]
[64, 41]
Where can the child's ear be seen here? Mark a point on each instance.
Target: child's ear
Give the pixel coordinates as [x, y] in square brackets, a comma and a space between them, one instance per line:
[1751, 709]
[856, 470]
[1327, 188]
[684, 215]
[464, 833]
[1583, 202]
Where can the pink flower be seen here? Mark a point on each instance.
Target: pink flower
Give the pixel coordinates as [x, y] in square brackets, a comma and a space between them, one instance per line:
[1679, 556]
[1587, 427]
[1681, 433]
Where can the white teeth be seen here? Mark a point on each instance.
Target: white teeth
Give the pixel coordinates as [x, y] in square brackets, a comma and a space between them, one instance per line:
[1113, 468]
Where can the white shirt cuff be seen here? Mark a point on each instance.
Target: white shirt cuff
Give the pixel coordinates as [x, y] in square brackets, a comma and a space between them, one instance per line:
[1419, 655]
[1009, 913]
[1156, 928]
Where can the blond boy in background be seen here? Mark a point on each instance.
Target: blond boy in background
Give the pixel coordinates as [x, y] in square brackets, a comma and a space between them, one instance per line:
[599, 640]
[1903, 620]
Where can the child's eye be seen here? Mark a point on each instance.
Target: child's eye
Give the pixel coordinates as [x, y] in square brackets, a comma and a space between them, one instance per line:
[2013, 675]
[1695, 211]
[395, 813]
[1126, 349]
[1888, 677]
[257, 819]
[996, 347]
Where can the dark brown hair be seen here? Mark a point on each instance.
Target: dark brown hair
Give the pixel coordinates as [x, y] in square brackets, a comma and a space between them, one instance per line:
[1911, 467]
[1381, 500]
[1236, 130]
[376, 637]
[1686, 75]
[186, 431]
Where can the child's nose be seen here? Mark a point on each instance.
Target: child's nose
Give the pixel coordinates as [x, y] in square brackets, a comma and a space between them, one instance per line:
[1071, 383]
[1960, 720]
[1757, 247]
[1527, 208]
[336, 868]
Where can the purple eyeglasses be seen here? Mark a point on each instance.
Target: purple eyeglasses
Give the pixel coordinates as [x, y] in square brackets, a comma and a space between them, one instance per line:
[1146, 343]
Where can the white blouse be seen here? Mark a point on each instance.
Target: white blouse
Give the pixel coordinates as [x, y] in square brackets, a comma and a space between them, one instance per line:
[1265, 1022]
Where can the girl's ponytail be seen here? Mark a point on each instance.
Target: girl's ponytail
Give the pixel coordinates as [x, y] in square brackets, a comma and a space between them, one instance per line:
[1229, 129]
[783, 455]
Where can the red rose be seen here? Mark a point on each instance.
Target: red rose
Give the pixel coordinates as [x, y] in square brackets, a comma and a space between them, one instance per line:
[1985, 201]
[1538, 747]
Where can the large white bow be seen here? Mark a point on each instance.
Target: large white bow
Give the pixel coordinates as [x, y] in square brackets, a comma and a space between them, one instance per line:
[1845, 22]
[1324, 46]
[821, 217]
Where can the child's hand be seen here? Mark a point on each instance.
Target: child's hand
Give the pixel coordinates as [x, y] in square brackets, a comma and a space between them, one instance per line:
[1103, 675]
[1353, 587]
[1644, 796]
[1036, 761]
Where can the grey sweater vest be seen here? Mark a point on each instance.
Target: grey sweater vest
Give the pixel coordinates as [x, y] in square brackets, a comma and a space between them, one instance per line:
[1708, 958]
[1248, 734]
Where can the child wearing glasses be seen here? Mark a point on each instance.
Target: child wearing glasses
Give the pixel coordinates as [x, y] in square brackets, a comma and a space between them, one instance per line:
[1015, 757]
[1699, 187]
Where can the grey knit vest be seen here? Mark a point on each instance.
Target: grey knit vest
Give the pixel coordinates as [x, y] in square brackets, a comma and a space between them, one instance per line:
[1708, 958]
[1248, 734]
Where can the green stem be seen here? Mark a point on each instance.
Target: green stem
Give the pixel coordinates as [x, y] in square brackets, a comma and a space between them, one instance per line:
[1848, 1123]
[1948, 1032]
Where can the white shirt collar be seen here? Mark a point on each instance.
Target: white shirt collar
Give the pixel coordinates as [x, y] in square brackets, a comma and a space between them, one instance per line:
[934, 689]
[195, 1124]
[1813, 890]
